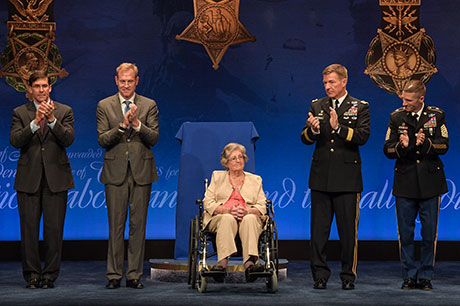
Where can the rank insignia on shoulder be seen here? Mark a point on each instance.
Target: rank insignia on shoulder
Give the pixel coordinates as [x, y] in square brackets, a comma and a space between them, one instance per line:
[313, 101]
[434, 108]
[398, 110]
[444, 132]
[364, 102]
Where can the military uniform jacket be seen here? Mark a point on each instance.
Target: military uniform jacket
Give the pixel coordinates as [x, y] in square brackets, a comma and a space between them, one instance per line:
[336, 162]
[418, 171]
[42, 153]
[130, 147]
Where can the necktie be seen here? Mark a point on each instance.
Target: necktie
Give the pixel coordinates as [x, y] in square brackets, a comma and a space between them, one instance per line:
[335, 104]
[415, 116]
[42, 126]
[127, 106]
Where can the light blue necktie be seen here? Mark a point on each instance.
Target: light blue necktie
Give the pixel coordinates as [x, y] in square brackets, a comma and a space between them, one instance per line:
[127, 106]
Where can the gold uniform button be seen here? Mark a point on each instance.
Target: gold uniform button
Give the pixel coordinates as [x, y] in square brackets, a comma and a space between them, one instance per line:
[418, 152]
[332, 140]
[332, 150]
[126, 153]
[418, 162]
[43, 149]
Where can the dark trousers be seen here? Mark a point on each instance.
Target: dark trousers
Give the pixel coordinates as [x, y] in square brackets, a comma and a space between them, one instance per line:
[31, 206]
[345, 206]
[406, 212]
[121, 198]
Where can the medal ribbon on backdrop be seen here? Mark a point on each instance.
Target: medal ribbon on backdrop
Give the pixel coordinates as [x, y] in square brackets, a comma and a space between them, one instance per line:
[402, 50]
[30, 44]
[216, 27]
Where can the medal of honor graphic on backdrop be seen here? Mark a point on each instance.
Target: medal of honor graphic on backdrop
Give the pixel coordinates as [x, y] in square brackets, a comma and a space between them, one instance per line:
[402, 50]
[216, 27]
[30, 43]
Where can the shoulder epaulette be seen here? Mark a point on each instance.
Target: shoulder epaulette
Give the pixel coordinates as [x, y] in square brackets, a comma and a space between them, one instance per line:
[398, 110]
[434, 108]
[313, 101]
[364, 102]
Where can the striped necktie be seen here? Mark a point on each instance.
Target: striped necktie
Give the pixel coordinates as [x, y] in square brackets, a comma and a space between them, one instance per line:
[127, 106]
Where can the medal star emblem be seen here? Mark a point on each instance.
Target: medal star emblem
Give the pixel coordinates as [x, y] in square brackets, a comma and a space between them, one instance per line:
[402, 50]
[216, 27]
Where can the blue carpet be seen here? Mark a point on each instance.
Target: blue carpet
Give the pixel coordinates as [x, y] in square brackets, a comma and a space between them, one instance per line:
[82, 283]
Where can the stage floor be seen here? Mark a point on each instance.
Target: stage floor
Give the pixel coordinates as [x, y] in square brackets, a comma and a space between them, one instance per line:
[82, 283]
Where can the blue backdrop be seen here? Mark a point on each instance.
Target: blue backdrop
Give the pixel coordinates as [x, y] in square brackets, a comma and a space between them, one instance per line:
[269, 82]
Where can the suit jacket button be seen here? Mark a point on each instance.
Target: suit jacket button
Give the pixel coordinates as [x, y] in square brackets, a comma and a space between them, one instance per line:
[332, 150]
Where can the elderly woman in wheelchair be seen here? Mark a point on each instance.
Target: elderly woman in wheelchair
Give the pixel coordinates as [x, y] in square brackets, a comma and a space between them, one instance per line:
[234, 203]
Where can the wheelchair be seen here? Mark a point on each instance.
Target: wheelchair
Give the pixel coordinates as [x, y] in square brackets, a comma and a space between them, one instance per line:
[202, 246]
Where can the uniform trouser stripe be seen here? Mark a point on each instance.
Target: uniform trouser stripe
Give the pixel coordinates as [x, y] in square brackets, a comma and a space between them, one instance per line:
[437, 226]
[355, 256]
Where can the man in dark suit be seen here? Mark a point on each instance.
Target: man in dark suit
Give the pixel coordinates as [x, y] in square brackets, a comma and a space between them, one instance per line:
[338, 124]
[42, 129]
[127, 128]
[416, 136]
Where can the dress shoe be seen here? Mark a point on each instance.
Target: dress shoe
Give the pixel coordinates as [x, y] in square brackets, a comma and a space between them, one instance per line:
[348, 284]
[113, 284]
[47, 284]
[425, 284]
[33, 283]
[409, 283]
[134, 283]
[320, 284]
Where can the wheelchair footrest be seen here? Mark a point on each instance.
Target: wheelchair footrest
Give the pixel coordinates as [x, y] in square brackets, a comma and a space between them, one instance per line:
[261, 274]
[207, 273]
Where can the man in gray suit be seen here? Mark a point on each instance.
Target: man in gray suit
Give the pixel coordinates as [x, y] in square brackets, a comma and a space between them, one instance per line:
[42, 129]
[127, 128]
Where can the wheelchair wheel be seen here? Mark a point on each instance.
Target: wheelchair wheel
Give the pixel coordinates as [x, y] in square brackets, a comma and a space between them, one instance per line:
[193, 252]
[272, 282]
[202, 284]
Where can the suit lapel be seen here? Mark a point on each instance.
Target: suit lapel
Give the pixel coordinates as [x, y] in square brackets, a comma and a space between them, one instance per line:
[31, 110]
[344, 106]
[423, 118]
[116, 107]
[325, 106]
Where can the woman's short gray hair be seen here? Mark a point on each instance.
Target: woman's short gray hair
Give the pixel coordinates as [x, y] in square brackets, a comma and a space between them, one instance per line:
[229, 148]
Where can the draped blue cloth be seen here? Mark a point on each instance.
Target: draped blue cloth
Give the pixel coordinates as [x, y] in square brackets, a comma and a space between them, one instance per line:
[201, 146]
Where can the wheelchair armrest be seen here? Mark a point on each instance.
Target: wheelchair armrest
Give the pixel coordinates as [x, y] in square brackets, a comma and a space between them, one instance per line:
[270, 210]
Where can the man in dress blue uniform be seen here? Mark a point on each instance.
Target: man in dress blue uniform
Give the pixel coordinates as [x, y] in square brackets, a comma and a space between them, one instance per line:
[416, 136]
[338, 124]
